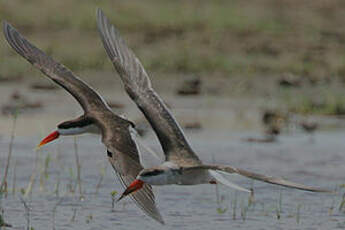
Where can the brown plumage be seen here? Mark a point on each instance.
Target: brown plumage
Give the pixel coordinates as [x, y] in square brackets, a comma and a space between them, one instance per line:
[182, 165]
[116, 136]
[138, 86]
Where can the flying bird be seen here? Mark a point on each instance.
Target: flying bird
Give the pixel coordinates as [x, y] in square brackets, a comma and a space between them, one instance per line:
[116, 131]
[181, 166]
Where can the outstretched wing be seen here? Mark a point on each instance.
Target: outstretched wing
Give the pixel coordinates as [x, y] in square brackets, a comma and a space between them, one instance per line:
[85, 95]
[126, 164]
[123, 155]
[138, 86]
[127, 170]
[260, 177]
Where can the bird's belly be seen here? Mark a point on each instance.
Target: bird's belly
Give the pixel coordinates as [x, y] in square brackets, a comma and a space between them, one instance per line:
[192, 177]
[195, 177]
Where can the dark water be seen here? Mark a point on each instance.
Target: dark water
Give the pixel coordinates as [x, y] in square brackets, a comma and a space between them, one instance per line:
[294, 157]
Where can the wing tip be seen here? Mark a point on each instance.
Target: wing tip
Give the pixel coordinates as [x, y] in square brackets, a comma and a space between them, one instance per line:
[302, 187]
[12, 37]
[5, 24]
[160, 220]
[99, 14]
[158, 217]
[151, 212]
[6, 28]
[324, 191]
[102, 20]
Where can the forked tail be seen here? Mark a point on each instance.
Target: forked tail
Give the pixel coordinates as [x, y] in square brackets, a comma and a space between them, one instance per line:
[256, 176]
[222, 180]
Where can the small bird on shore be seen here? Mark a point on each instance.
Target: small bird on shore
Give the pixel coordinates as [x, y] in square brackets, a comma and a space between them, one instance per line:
[309, 126]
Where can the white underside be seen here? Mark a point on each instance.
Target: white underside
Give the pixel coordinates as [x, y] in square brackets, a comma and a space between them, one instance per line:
[222, 180]
[189, 177]
[79, 130]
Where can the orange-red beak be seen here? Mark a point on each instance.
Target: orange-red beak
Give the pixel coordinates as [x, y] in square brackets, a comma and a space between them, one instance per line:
[135, 186]
[54, 135]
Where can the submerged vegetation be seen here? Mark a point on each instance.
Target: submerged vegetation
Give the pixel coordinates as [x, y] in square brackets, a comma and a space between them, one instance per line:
[237, 206]
[4, 183]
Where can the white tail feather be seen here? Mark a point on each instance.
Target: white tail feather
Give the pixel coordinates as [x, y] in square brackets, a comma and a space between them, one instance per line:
[227, 173]
[226, 182]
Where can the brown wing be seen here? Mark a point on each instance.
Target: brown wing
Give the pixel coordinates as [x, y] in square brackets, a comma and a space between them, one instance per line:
[138, 86]
[123, 156]
[144, 198]
[85, 95]
[126, 166]
[260, 177]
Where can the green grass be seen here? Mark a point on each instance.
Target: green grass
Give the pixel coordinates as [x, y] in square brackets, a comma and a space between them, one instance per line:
[197, 36]
[251, 41]
[328, 106]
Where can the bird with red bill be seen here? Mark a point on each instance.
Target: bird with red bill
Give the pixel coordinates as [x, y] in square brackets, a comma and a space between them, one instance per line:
[98, 118]
[54, 135]
[134, 186]
[182, 166]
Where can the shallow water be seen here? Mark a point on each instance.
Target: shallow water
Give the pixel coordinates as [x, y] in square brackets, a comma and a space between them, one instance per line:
[294, 157]
[225, 122]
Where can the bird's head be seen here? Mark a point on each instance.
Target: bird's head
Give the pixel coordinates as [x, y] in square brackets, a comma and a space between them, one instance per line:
[72, 127]
[153, 176]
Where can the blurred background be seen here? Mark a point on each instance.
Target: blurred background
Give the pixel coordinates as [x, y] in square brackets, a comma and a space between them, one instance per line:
[287, 55]
[256, 83]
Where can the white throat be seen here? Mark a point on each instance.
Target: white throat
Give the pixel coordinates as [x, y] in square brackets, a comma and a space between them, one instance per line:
[79, 130]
